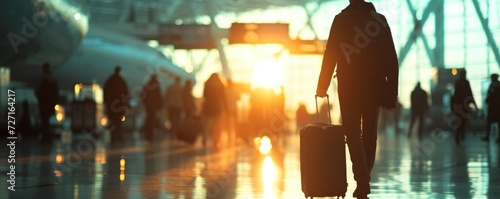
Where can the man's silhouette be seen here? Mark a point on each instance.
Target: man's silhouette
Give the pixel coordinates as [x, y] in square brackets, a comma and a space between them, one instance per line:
[152, 100]
[116, 100]
[461, 100]
[360, 45]
[47, 94]
[493, 101]
[419, 107]
[175, 104]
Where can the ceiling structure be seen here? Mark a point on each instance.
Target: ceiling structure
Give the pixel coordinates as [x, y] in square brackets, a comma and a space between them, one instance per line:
[168, 11]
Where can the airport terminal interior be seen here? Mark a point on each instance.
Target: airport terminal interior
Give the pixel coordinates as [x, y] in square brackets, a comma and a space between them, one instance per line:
[207, 98]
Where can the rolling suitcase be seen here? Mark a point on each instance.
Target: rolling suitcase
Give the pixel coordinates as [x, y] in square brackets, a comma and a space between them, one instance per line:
[190, 129]
[323, 159]
[83, 116]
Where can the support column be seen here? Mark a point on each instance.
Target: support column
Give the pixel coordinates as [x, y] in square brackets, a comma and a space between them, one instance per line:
[440, 35]
[217, 39]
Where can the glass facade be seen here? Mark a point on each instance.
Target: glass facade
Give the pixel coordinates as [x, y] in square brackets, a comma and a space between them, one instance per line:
[465, 46]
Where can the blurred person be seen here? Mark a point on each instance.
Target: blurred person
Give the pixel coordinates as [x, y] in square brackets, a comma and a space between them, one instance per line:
[174, 103]
[302, 117]
[280, 111]
[24, 125]
[214, 105]
[493, 101]
[188, 99]
[419, 107]
[361, 48]
[396, 114]
[47, 94]
[461, 101]
[152, 100]
[233, 96]
[116, 101]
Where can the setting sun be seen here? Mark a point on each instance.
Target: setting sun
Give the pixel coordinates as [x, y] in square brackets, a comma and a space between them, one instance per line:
[268, 74]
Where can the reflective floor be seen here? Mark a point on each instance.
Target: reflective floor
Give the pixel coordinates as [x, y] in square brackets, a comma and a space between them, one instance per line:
[433, 167]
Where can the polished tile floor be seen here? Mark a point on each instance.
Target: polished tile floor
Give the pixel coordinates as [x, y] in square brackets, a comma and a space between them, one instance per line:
[433, 167]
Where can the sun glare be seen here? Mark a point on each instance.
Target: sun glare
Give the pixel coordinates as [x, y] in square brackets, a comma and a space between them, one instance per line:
[268, 74]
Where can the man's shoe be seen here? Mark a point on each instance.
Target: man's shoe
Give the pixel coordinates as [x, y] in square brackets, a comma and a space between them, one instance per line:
[362, 190]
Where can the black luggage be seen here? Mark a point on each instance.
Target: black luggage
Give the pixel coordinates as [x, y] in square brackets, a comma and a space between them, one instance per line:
[323, 159]
[83, 116]
[189, 130]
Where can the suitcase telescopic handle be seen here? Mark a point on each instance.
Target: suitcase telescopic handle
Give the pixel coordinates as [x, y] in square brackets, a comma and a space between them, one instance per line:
[328, 105]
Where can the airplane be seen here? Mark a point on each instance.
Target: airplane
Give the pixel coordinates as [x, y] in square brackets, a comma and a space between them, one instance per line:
[59, 33]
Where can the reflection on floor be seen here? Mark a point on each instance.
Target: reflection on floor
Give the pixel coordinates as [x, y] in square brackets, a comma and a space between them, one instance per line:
[433, 167]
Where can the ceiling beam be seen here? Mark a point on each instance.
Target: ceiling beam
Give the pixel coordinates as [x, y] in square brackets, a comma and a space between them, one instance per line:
[489, 35]
[417, 29]
[428, 50]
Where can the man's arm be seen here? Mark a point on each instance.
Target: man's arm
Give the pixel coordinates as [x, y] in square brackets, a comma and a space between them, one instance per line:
[469, 93]
[392, 65]
[329, 63]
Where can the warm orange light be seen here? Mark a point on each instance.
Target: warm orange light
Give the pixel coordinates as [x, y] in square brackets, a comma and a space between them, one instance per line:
[100, 157]
[58, 173]
[268, 177]
[59, 117]
[265, 145]
[122, 169]
[78, 88]
[59, 159]
[268, 74]
[59, 110]
[454, 71]
[122, 162]
[104, 121]
[123, 118]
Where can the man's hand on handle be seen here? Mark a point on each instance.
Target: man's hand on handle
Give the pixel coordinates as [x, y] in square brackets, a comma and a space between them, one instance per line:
[321, 93]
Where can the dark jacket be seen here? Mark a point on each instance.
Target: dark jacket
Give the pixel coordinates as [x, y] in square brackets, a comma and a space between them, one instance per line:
[493, 100]
[463, 96]
[361, 48]
[188, 100]
[214, 97]
[116, 97]
[151, 96]
[419, 104]
[47, 94]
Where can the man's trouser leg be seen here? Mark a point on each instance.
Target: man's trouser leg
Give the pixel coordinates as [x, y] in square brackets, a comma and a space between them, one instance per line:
[369, 135]
[351, 122]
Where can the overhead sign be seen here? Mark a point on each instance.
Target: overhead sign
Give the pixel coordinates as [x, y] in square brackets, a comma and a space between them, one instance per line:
[258, 33]
[192, 36]
[298, 46]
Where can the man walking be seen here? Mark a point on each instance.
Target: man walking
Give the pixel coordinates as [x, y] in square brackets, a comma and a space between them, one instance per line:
[360, 47]
[47, 94]
[116, 100]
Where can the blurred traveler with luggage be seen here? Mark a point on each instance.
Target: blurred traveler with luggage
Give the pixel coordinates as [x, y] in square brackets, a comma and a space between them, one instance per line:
[116, 101]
